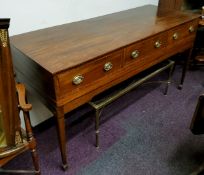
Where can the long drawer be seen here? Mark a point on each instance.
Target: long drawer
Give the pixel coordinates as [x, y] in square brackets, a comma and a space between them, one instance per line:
[78, 80]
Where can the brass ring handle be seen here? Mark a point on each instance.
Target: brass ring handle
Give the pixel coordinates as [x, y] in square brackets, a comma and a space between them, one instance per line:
[191, 29]
[175, 36]
[108, 66]
[78, 79]
[135, 54]
[157, 44]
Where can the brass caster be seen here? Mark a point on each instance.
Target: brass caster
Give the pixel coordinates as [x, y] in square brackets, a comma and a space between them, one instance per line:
[180, 86]
[64, 167]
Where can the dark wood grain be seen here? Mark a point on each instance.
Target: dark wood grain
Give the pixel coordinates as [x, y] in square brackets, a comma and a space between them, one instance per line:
[75, 43]
[170, 4]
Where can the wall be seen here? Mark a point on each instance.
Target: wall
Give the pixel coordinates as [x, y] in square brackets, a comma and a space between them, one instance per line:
[32, 15]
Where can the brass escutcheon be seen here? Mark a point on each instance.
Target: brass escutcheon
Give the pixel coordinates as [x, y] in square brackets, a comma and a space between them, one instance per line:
[191, 29]
[135, 54]
[175, 36]
[78, 79]
[157, 44]
[108, 66]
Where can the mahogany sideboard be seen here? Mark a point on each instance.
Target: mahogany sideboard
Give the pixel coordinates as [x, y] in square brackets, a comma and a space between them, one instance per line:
[67, 65]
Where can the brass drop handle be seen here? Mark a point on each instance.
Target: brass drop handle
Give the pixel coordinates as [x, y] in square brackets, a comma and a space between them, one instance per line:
[175, 36]
[191, 29]
[135, 54]
[157, 44]
[108, 66]
[77, 79]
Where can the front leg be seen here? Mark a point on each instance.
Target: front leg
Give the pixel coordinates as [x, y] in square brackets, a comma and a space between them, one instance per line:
[61, 135]
[188, 54]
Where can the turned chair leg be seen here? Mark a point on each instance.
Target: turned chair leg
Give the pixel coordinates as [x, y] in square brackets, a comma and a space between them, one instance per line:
[32, 142]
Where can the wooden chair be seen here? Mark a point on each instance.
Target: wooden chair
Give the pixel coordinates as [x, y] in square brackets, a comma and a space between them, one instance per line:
[13, 140]
[197, 123]
[197, 127]
[24, 139]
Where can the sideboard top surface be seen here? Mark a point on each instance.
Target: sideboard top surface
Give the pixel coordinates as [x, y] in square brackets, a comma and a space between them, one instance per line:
[62, 47]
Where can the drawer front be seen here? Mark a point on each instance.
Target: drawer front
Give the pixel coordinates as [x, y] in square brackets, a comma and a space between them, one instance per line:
[181, 32]
[83, 76]
[138, 51]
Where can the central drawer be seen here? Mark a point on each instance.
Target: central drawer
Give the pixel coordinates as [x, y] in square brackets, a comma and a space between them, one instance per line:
[81, 79]
[142, 52]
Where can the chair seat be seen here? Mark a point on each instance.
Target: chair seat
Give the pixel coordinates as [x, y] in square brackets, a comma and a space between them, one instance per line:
[8, 153]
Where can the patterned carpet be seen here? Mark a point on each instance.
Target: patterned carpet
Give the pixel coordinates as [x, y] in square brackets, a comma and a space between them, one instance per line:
[142, 133]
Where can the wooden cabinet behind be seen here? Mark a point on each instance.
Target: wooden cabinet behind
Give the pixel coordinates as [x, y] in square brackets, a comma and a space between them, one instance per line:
[181, 4]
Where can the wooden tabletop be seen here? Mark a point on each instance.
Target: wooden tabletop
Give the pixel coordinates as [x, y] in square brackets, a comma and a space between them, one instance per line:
[62, 47]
